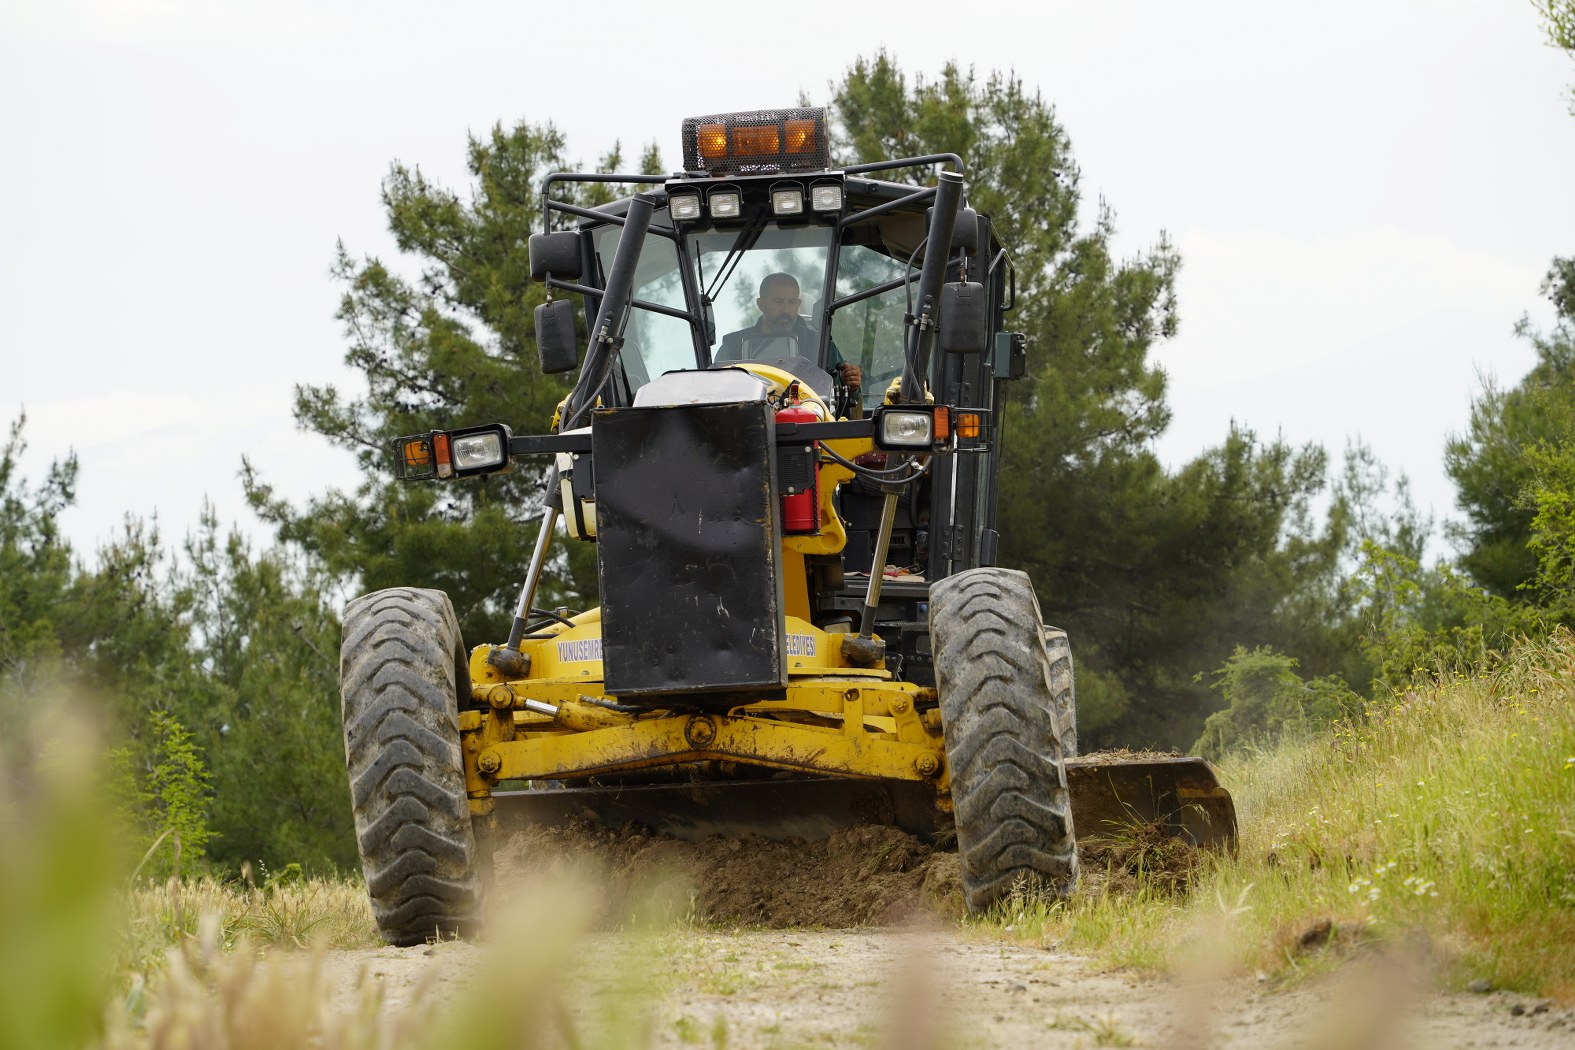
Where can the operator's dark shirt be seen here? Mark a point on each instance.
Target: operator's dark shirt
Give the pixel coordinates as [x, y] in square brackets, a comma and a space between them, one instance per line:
[732, 348]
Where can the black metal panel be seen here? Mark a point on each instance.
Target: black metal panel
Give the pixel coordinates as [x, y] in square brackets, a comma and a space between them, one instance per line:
[687, 526]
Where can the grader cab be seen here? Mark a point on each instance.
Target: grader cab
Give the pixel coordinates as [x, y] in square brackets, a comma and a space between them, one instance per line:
[785, 441]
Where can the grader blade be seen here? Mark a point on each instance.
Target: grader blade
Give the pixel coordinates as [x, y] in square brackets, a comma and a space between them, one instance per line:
[1112, 794]
[1115, 792]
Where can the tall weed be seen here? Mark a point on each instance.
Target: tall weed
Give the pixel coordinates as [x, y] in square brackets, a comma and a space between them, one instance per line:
[1448, 810]
[1441, 819]
[55, 909]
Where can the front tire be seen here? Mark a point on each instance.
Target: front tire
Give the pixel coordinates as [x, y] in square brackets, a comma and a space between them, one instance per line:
[1001, 709]
[404, 674]
[1058, 647]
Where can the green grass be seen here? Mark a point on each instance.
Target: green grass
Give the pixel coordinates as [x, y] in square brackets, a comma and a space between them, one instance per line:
[1443, 820]
[330, 913]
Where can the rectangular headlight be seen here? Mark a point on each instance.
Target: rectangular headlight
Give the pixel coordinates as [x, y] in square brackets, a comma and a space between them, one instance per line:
[725, 204]
[826, 196]
[905, 428]
[478, 450]
[684, 207]
[787, 201]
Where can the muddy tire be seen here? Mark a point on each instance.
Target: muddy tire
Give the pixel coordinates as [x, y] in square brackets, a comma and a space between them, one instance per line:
[404, 674]
[1003, 737]
[1063, 697]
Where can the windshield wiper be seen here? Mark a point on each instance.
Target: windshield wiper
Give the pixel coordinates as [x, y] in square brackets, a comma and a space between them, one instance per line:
[742, 243]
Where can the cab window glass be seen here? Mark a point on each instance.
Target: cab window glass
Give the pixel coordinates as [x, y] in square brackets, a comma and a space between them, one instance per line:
[653, 343]
[870, 333]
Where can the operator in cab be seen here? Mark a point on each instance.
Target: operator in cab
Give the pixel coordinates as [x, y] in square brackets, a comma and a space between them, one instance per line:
[781, 332]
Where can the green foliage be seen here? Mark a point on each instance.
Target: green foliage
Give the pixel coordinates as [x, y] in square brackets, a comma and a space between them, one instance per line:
[238, 647]
[1559, 23]
[35, 575]
[1420, 623]
[1492, 463]
[1552, 498]
[177, 796]
[218, 658]
[1157, 572]
[1267, 701]
[452, 345]
[264, 690]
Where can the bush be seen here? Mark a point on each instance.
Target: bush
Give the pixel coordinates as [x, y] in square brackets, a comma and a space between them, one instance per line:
[163, 809]
[1267, 701]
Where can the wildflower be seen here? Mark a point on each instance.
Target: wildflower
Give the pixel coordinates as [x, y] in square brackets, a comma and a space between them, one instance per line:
[1419, 886]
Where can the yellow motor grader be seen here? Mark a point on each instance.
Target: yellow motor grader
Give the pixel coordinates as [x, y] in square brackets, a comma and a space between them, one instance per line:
[785, 442]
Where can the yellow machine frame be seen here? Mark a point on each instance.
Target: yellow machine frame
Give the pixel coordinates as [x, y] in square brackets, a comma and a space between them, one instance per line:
[833, 718]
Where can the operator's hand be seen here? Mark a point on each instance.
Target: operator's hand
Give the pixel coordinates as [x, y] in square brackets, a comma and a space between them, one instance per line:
[852, 375]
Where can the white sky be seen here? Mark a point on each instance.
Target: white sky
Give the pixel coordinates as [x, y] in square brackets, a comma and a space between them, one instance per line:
[1365, 195]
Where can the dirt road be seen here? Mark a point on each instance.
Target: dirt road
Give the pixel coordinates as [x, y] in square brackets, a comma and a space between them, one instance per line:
[922, 988]
[854, 942]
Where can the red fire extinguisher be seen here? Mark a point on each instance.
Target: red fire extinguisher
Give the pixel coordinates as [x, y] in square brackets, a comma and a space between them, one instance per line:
[800, 510]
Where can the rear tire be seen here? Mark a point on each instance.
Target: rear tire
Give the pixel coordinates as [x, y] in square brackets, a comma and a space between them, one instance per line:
[1004, 740]
[404, 675]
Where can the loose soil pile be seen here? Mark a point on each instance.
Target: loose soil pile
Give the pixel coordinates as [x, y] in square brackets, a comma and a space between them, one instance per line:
[867, 875]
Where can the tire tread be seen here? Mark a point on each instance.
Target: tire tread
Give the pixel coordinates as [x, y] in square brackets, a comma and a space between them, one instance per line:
[1006, 695]
[400, 665]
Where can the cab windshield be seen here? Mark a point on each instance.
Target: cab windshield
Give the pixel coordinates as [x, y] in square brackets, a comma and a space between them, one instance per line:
[728, 266]
[765, 284]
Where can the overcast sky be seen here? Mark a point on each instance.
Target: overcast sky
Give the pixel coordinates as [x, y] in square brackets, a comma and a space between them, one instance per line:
[1365, 195]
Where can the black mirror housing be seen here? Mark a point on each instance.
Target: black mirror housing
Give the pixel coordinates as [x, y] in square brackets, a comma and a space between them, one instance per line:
[965, 235]
[555, 339]
[965, 316]
[1009, 358]
[557, 254]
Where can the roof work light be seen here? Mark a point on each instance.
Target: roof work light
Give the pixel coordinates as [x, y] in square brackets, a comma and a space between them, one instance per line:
[761, 142]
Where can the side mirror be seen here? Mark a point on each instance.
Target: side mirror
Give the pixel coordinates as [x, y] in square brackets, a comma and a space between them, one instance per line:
[555, 253]
[555, 339]
[965, 315]
[1010, 357]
